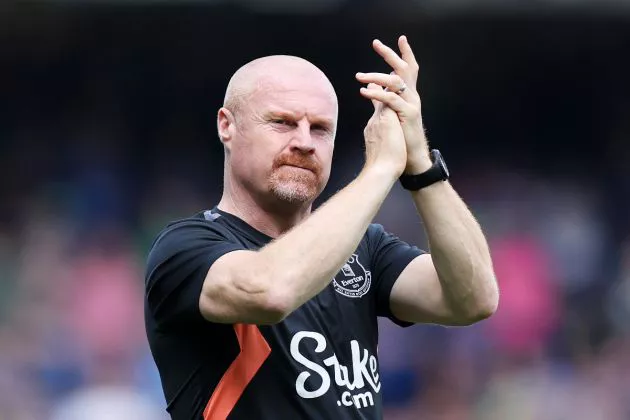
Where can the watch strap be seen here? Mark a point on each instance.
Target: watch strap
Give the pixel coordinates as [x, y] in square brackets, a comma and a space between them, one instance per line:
[434, 174]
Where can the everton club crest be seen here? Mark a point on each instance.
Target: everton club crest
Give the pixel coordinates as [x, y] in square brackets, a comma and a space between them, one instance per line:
[353, 280]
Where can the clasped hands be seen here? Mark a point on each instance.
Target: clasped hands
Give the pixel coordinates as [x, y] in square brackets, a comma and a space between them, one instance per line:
[396, 93]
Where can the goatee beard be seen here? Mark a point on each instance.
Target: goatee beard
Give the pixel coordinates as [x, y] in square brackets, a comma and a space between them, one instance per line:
[294, 178]
[295, 190]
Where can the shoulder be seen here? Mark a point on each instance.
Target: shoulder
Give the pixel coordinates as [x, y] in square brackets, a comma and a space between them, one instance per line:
[374, 230]
[197, 226]
[374, 235]
[192, 233]
[384, 244]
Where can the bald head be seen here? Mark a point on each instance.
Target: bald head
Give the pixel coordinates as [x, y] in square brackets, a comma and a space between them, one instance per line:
[275, 72]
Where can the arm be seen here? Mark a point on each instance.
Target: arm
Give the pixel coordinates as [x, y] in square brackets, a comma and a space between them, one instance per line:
[455, 284]
[265, 286]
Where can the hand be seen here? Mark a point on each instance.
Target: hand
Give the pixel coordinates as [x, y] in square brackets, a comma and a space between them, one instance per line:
[406, 104]
[384, 138]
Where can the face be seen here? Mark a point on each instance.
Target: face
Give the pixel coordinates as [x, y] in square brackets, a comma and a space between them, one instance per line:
[283, 140]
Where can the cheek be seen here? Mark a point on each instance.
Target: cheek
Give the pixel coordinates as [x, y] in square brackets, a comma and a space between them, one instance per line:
[254, 156]
[251, 163]
[326, 155]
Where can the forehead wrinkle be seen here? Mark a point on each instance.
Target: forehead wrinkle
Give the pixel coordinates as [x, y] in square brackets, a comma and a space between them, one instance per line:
[280, 99]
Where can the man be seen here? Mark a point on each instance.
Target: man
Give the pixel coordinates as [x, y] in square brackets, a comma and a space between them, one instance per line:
[260, 309]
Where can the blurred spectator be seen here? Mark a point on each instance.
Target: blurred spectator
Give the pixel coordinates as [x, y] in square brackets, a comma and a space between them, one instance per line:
[530, 306]
[108, 403]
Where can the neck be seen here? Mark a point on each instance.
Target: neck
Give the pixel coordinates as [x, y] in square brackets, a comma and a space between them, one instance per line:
[268, 215]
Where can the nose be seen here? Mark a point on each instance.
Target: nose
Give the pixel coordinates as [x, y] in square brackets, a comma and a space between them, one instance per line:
[301, 140]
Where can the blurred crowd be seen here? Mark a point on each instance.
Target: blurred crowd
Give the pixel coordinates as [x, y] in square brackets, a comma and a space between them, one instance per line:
[107, 134]
[557, 348]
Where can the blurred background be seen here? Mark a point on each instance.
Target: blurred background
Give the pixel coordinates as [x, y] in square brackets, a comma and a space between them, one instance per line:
[107, 132]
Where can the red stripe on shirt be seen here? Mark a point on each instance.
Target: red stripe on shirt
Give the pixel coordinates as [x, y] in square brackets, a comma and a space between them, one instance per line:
[254, 351]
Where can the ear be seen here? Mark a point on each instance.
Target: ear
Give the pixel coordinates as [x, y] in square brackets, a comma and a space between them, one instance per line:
[226, 125]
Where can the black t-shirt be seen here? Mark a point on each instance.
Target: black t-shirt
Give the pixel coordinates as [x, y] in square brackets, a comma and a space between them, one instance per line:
[321, 362]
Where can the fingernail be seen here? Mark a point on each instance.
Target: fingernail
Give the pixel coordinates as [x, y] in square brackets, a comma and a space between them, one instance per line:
[377, 41]
[359, 74]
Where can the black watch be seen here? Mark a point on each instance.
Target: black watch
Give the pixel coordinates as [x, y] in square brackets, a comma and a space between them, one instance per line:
[437, 172]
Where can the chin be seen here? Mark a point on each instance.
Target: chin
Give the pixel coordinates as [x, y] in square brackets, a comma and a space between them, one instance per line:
[294, 193]
[295, 187]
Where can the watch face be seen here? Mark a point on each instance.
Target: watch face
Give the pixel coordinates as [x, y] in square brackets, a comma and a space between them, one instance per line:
[444, 168]
[441, 163]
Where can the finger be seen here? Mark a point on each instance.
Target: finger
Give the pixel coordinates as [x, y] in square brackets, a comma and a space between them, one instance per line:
[392, 81]
[373, 86]
[406, 51]
[390, 56]
[383, 97]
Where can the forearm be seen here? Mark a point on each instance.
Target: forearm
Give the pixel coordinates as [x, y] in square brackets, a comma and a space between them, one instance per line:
[459, 251]
[302, 262]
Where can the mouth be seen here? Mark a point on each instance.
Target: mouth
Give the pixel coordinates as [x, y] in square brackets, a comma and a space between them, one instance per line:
[299, 167]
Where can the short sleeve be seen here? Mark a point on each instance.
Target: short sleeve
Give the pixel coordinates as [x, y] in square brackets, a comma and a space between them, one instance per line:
[390, 256]
[177, 266]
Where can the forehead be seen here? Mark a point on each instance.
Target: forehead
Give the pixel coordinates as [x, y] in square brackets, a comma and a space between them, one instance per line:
[297, 95]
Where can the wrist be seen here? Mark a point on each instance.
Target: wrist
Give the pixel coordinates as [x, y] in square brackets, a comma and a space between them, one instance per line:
[418, 163]
[381, 172]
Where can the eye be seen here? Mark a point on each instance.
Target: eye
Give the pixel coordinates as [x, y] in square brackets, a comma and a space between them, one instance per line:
[322, 131]
[281, 121]
[321, 128]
